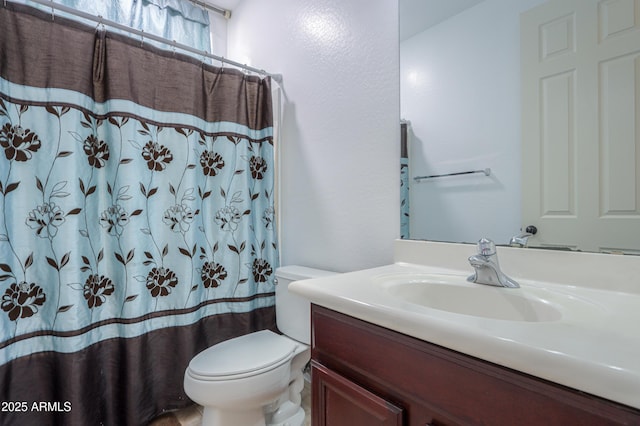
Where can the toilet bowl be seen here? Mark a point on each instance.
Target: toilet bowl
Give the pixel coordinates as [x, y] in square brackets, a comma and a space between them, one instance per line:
[256, 379]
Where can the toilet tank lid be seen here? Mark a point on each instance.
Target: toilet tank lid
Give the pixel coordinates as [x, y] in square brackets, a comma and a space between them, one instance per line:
[297, 272]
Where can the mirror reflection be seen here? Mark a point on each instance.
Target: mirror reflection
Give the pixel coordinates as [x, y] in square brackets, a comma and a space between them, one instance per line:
[540, 97]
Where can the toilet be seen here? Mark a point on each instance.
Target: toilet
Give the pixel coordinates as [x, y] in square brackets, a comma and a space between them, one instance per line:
[256, 379]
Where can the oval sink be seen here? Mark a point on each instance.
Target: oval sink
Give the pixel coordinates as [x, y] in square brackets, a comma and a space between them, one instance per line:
[452, 293]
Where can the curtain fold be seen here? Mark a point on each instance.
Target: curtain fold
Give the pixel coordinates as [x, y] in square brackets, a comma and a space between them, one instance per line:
[178, 20]
[137, 200]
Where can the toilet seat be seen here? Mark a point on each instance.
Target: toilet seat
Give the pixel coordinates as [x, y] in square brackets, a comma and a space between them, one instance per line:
[243, 356]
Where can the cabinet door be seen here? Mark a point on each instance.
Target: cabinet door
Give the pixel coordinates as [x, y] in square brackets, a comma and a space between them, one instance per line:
[340, 402]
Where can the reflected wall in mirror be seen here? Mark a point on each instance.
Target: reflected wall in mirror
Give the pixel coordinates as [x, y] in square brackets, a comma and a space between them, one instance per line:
[462, 94]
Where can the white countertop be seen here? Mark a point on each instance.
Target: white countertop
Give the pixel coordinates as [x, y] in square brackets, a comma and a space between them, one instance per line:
[594, 347]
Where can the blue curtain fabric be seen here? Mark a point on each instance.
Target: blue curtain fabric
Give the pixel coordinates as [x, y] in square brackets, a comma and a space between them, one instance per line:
[137, 202]
[178, 20]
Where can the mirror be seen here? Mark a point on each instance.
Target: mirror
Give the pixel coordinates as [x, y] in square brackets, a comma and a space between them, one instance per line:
[461, 100]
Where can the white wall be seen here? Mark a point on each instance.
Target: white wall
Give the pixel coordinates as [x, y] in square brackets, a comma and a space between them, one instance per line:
[218, 25]
[460, 88]
[340, 136]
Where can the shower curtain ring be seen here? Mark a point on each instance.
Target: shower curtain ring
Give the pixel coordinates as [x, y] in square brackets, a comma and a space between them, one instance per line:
[174, 47]
[52, 12]
[141, 38]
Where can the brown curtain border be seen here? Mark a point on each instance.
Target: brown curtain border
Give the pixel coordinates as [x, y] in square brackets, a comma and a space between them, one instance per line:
[117, 382]
[404, 148]
[134, 320]
[173, 82]
[114, 114]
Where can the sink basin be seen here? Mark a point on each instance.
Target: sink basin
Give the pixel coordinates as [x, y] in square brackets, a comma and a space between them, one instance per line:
[452, 293]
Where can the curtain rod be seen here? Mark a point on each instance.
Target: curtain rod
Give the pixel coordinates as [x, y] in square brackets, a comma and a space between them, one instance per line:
[224, 12]
[487, 172]
[143, 35]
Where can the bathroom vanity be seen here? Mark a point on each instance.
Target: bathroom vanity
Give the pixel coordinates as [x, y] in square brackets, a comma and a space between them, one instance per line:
[413, 343]
[363, 374]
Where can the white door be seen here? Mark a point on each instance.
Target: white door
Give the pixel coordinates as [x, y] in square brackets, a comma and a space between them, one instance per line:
[580, 109]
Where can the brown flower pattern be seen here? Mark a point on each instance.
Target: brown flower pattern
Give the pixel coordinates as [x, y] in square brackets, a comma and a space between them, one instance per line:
[96, 288]
[45, 219]
[19, 144]
[212, 274]
[94, 252]
[97, 151]
[114, 219]
[269, 217]
[258, 167]
[178, 218]
[228, 218]
[22, 300]
[211, 163]
[261, 270]
[157, 156]
[160, 281]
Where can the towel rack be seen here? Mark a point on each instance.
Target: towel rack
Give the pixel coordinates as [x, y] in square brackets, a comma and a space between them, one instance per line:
[487, 172]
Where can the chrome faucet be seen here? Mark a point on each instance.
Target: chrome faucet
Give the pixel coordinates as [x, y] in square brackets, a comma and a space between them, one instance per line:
[487, 267]
[522, 239]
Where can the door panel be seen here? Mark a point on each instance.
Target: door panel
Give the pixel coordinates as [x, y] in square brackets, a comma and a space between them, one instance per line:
[340, 402]
[580, 109]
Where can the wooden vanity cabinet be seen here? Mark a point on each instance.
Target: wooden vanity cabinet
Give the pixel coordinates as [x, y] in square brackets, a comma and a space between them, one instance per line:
[366, 375]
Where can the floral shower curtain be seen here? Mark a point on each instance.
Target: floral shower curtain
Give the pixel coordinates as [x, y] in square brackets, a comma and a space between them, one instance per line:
[404, 181]
[136, 197]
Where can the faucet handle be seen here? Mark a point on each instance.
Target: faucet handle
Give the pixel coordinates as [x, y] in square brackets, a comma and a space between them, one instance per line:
[486, 247]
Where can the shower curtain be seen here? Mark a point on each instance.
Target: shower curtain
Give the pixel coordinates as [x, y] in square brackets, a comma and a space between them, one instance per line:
[137, 219]
[404, 181]
[181, 20]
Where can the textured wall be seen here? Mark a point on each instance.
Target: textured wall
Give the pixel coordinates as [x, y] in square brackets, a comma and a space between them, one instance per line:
[340, 136]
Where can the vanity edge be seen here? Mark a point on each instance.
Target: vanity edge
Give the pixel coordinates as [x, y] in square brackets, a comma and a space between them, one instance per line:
[597, 366]
[610, 272]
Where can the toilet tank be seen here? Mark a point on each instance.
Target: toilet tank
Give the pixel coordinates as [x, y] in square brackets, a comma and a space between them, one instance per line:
[293, 312]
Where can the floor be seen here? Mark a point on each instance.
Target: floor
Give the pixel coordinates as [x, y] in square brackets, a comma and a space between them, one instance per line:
[192, 416]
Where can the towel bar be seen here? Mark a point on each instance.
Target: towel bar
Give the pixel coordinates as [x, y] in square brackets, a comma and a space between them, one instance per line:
[487, 172]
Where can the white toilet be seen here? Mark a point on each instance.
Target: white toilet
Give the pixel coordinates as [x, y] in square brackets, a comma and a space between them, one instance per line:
[256, 379]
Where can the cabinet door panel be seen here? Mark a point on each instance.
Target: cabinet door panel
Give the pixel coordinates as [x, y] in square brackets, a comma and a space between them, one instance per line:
[340, 402]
